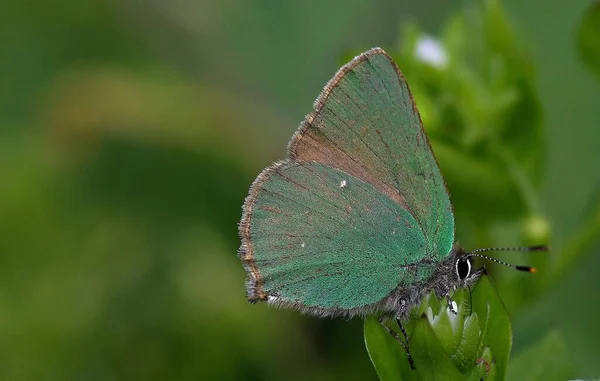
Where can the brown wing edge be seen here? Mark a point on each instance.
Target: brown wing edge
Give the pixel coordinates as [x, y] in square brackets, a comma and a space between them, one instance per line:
[254, 282]
[322, 98]
[333, 82]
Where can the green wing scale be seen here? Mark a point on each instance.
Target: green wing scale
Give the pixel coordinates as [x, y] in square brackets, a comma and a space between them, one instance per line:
[354, 251]
[359, 209]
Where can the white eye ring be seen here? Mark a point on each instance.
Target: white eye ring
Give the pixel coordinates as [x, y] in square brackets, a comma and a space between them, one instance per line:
[468, 268]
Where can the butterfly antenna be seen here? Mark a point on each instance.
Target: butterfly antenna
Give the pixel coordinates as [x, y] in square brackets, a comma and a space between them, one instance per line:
[529, 269]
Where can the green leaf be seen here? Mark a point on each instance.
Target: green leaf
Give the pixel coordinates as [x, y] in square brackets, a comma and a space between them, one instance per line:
[432, 362]
[485, 368]
[546, 360]
[387, 355]
[588, 38]
[496, 329]
[474, 343]
[466, 352]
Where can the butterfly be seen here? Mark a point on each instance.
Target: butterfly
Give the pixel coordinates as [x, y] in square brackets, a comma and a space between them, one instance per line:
[357, 220]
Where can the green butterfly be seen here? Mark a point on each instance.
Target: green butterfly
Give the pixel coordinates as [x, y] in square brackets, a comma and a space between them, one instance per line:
[358, 219]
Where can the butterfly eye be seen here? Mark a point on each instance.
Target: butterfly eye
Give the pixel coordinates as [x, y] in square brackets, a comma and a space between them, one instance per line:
[463, 268]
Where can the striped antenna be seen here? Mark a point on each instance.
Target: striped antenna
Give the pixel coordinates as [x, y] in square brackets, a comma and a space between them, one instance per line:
[475, 253]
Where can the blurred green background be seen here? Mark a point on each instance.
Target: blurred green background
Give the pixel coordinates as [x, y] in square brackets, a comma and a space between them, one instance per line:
[130, 133]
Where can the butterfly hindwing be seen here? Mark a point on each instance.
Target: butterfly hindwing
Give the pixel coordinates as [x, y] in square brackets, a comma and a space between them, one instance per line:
[315, 237]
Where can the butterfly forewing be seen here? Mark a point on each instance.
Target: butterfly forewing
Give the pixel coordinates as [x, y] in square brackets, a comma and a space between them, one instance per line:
[366, 124]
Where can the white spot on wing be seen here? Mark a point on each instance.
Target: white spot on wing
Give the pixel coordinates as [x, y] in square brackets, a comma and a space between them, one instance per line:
[302, 244]
[343, 183]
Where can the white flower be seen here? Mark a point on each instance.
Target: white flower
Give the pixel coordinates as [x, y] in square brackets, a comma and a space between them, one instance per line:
[431, 51]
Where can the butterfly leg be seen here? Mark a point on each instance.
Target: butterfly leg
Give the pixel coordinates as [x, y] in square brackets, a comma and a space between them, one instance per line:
[402, 329]
[395, 335]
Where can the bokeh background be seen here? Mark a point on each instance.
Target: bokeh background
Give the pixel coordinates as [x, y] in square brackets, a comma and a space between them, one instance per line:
[130, 132]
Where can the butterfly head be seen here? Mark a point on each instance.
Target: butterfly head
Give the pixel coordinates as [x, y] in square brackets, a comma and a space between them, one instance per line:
[458, 269]
[464, 273]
